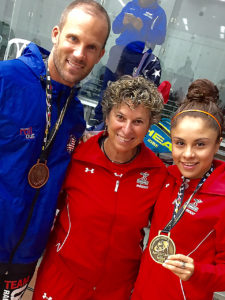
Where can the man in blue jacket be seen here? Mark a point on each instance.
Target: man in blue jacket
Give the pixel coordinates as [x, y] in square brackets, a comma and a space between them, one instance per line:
[141, 24]
[41, 119]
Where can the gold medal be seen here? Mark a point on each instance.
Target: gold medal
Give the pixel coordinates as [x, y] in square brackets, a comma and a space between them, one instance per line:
[38, 175]
[161, 247]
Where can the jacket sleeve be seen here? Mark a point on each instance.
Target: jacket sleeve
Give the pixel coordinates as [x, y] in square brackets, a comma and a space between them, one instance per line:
[117, 25]
[212, 276]
[156, 33]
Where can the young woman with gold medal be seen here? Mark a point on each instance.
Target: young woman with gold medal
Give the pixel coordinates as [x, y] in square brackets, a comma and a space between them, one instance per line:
[185, 257]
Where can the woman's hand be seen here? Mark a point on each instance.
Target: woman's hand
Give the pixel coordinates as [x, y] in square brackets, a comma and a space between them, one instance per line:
[180, 265]
[87, 135]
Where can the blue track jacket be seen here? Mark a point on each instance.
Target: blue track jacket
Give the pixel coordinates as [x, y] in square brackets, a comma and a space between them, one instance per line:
[22, 126]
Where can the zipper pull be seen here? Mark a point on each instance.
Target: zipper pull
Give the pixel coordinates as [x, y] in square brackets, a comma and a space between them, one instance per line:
[117, 185]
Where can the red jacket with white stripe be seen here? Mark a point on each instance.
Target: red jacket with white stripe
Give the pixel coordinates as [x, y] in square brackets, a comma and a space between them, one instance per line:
[99, 231]
[200, 234]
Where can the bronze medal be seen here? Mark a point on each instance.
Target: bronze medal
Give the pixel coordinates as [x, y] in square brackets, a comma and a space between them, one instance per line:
[38, 175]
[161, 247]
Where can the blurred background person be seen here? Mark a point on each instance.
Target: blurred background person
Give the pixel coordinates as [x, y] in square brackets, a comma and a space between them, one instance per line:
[140, 25]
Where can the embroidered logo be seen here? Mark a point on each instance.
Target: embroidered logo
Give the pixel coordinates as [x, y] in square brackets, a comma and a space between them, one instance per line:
[193, 207]
[118, 175]
[45, 297]
[148, 14]
[89, 170]
[71, 144]
[143, 182]
[27, 132]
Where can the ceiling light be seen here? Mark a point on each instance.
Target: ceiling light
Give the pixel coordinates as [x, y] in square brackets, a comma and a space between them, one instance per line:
[121, 2]
[185, 21]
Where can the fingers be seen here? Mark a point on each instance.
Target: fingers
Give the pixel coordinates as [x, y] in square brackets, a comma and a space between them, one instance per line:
[180, 265]
[88, 134]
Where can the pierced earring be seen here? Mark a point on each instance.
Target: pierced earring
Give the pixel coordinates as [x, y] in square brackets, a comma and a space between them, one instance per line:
[105, 130]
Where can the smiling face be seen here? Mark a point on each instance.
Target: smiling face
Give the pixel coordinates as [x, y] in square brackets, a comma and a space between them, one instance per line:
[194, 145]
[127, 128]
[78, 46]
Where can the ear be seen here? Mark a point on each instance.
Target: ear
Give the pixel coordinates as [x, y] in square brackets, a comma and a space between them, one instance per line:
[55, 34]
[101, 54]
[218, 144]
[220, 141]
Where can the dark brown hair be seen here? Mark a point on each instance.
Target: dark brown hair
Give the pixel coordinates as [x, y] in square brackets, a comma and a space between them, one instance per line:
[202, 95]
[91, 7]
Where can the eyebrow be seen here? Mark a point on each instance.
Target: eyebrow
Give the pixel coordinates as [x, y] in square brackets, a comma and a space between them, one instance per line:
[200, 139]
[121, 113]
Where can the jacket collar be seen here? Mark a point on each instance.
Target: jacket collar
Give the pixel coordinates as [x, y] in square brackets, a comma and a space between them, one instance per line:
[92, 152]
[33, 56]
[215, 184]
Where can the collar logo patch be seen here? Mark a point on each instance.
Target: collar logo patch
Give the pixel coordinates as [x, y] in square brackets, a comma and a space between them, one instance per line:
[27, 132]
[143, 182]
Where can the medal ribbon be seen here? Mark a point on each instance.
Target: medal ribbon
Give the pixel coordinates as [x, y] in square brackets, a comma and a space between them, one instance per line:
[49, 136]
[179, 211]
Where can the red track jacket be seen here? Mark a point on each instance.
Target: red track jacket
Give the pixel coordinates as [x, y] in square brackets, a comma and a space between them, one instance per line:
[200, 234]
[97, 238]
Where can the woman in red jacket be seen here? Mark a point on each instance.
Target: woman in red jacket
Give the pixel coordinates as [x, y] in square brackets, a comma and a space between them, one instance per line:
[111, 186]
[185, 257]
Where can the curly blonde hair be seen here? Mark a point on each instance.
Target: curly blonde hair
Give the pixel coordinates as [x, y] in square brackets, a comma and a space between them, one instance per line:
[133, 91]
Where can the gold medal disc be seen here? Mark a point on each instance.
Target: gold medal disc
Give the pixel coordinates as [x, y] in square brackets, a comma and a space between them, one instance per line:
[38, 175]
[161, 247]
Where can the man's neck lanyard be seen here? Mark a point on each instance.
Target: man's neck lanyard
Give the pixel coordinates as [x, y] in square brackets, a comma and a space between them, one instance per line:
[39, 173]
[178, 210]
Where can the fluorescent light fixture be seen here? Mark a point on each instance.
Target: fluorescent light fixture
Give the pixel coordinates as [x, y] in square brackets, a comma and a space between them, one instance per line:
[185, 21]
[121, 2]
[186, 27]
[222, 29]
[222, 35]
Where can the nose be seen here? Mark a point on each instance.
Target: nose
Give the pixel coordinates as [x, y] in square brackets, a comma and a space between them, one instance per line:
[188, 152]
[127, 128]
[79, 52]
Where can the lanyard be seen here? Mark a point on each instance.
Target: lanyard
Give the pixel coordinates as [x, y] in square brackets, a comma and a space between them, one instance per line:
[178, 210]
[39, 173]
[50, 135]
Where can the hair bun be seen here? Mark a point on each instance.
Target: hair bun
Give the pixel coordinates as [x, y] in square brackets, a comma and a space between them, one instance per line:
[202, 90]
